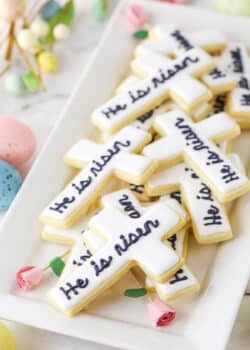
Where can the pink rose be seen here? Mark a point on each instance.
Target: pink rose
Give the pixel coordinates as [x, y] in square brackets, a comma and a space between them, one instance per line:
[161, 314]
[28, 277]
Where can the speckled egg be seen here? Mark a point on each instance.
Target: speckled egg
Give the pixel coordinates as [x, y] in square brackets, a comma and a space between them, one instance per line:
[14, 84]
[10, 183]
[50, 9]
[17, 142]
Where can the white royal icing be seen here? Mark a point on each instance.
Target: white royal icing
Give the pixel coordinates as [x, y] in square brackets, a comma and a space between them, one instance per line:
[172, 40]
[148, 93]
[113, 158]
[239, 103]
[182, 281]
[190, 141]
[236, 60]
[145, 121]
[89, 242]
[78, 256]
[67, 236]
[134, 241]
[209, 219]
[126, 202]
[127, 83]
[185, 87]
[182, 41]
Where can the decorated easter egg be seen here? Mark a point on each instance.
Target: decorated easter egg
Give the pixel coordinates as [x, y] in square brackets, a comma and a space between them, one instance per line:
[27, 39]
[17, 142]
[49, 10]
[10, 10]
[40, 28]
[47, 62]
[61, 32]
[10, 183]
[7, 341]
[14, 84]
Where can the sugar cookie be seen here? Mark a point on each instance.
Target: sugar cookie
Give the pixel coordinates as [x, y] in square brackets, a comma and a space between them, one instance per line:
[209, 40]
[78, 256]
[189, 141]
[88, 242]
[182, 283]
[173, 288]
[144, 96]
[209, 220]
[72, 234]
[236, 60]
[134, 241]
[239, 104]
[139, 192]
[65, 236]
[172, 39]
[219, 106]
[145, 121]
[103, 162]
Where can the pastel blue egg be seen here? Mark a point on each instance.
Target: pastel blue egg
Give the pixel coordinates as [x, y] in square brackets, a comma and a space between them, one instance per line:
[49, 10]
[10, 183]
[14, 84]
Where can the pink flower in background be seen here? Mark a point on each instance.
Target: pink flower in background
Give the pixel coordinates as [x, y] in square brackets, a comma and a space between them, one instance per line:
[136, 16]
[181, 2]
[161, 314]
[28, 277]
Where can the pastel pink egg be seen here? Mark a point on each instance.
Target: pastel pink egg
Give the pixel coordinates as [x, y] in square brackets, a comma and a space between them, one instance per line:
[17, 142]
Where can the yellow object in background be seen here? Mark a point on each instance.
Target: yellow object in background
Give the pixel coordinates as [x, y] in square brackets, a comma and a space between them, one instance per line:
[7, 341]
[47, 62]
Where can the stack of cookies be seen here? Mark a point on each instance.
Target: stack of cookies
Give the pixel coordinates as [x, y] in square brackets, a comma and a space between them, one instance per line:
[159, 168]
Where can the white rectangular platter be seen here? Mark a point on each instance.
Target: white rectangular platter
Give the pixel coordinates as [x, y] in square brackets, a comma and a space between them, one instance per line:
[204, 321]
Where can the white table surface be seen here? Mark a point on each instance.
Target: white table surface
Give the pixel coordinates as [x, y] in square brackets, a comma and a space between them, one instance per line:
[40, 111]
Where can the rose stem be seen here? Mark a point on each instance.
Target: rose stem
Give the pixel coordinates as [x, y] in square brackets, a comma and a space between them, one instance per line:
[61, 256]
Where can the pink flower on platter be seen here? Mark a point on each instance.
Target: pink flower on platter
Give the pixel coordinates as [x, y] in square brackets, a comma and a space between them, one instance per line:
[161, 314]
[28, 277]
[136, 16]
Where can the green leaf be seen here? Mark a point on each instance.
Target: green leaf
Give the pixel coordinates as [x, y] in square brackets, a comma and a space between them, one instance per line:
[135, 293]
[31, 81]
[57, 266]
[141, 34]
[64, 16]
